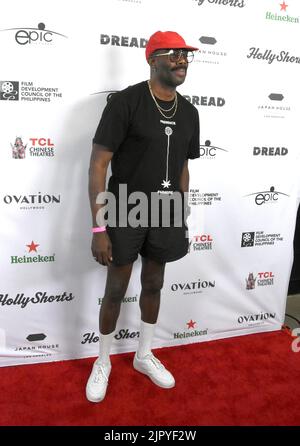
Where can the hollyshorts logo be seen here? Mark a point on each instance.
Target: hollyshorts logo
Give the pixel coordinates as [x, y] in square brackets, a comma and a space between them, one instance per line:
[40, 297]
[32, 248]
[260, 238]
[123, 41]
[197, 198]
[234, 3]
[209, 151]
[35, 36]
[193, 287]
[37, 346]
[281, 15]
[37, 147]
[267, 197]
[269, 56]
[124, 333]
[261, 279]
[276, 107]
[210, 51]
[203, 242]
[28, 91]
[261, 318]
[125, 300]
[191, 331]
[30, 202]
[270, 151]
[205, 101]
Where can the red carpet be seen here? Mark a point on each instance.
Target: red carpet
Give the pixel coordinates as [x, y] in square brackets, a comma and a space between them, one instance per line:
[242, 381]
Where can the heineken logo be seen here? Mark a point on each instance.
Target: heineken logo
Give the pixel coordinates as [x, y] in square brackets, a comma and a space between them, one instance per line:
[32, 248]
[192, 331]
[281, 17]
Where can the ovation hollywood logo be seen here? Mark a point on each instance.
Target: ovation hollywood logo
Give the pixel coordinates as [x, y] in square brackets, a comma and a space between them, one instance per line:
[28, 91]
[37, 147]
[34, 36]
[210, 51]
[201, 242]
[193, 287]
[191, 331]
[256, 319]
[37, 201]
[281, 17]
[267, 197]
[40, 297]
[261, 279]
[234, 3]
[209, 151]
[32, 248]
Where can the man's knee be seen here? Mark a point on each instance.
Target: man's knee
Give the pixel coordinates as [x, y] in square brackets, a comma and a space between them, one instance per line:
[115, 292]
[152, 284]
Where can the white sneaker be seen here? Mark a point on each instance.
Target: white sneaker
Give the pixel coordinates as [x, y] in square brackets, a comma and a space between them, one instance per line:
[97, 382]
[152, 367]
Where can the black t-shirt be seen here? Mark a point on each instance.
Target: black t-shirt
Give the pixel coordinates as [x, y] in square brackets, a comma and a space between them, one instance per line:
[149, 149]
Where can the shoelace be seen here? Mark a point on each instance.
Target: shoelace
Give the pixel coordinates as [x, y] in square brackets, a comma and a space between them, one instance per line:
[100, 373]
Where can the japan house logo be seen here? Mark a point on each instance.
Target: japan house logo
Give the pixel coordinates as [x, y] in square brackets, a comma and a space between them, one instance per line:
[210, 52]
[267, 197]
[282, 14]
[34, 36]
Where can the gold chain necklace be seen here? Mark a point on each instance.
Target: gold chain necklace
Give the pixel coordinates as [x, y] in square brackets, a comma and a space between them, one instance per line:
[159, 108]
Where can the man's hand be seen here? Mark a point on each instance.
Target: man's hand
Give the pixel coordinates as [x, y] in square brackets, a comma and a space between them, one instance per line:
[101, 248]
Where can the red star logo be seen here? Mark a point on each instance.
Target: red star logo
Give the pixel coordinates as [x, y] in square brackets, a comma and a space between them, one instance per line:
[191, 324]
[32, 246]
[283, 6]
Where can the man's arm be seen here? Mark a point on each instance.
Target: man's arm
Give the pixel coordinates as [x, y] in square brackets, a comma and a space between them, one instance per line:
[100, 159]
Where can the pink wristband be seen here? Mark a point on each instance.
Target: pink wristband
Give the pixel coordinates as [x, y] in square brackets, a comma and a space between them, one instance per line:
[99, 229]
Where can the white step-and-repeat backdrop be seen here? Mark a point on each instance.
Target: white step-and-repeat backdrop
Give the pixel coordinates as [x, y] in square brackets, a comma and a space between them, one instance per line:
[60, 62]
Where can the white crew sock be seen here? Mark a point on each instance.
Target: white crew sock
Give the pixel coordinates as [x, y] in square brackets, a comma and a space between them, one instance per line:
[105, 341]
[145, 339]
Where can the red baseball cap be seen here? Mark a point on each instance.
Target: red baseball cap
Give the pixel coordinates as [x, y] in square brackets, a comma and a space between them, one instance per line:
[166, 40]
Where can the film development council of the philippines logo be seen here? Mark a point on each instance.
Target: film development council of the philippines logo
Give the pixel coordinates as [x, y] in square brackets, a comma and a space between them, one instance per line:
[9, 90]
[39, 35]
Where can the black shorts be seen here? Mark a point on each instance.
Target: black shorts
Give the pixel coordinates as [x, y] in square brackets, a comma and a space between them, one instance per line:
[159, 244]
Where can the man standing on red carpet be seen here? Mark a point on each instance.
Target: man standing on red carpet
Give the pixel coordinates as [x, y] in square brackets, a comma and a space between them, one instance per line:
[148, 132]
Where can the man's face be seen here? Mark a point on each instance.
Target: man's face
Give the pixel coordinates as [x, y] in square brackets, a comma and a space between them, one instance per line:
[170, 73]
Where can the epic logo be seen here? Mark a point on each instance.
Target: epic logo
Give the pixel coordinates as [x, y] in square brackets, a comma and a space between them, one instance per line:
[270, 196]
[35, 35]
